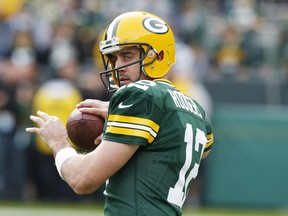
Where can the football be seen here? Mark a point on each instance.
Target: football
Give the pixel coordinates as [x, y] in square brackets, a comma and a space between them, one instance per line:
[83, 129]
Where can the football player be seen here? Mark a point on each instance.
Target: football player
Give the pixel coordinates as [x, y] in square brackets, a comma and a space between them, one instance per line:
[154, 136]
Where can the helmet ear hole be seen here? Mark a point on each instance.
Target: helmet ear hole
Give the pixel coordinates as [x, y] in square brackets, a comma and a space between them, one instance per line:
[160, 56]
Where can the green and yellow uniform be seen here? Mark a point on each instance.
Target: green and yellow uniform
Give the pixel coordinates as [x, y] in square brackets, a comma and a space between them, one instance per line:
[172, 131]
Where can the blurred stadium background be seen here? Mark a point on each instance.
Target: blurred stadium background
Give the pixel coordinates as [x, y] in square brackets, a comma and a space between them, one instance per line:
[232, 56]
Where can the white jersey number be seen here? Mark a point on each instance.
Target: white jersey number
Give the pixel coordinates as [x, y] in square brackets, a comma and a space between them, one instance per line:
[142, 84]
[178, 193]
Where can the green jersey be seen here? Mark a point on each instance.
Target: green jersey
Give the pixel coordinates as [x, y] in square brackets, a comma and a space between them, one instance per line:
[172, 131]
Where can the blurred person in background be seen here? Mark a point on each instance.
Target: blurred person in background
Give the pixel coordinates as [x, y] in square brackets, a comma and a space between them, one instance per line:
[228, 55]
[8, 117]
[63, 55]
[19, 177]
[57, 96]
[245, 16]
[191, 22]
[282, 54]
[19, 78]
[7, 128]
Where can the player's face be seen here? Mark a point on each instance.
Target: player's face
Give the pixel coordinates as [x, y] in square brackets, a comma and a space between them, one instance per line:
[129, 73]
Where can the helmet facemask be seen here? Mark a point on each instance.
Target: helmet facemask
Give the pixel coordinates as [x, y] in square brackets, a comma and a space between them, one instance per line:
[110, 76]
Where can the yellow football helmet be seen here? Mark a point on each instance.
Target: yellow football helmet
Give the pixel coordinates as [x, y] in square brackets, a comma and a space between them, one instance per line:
[149, 33]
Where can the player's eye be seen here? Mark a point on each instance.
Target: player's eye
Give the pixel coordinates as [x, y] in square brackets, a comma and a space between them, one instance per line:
[112, 58]
[127, 57]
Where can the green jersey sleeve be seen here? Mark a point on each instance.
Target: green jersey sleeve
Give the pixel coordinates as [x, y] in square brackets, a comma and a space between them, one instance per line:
[133, 118]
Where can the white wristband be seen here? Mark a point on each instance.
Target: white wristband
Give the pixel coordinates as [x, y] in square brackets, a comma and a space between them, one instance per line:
[63, 155]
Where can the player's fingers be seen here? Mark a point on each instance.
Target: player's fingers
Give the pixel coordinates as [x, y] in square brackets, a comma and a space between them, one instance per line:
[32, 130]
[94, 111]
[87, 103]
[43, 115]
[37, 120]
[89, 110]
[95, 107]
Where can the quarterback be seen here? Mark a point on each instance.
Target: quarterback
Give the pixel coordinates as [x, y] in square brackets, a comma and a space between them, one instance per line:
[154, 136]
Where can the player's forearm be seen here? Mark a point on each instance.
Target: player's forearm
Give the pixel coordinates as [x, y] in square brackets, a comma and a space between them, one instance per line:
[77, 173]
[86, 173]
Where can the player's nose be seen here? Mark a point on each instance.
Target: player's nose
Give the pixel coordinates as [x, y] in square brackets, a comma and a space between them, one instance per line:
[120, 64]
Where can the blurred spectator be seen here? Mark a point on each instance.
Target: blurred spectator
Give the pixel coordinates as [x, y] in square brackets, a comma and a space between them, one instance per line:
[254, 52]
[243, 14]
[6, 37]
[56, 97]
[7, 128]
[201, 62]
[18, 79]
[229, 53]
[191, 22]
[63, 49]
[18, 150]
[90, 23]
[22, 63]
[282, 53]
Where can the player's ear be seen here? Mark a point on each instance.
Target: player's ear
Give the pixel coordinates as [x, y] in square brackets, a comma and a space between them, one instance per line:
[160, 56]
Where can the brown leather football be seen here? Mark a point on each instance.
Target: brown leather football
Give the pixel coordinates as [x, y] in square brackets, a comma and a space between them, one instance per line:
[83, 129]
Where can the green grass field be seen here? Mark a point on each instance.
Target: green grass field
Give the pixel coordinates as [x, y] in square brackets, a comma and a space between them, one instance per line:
[49, 209]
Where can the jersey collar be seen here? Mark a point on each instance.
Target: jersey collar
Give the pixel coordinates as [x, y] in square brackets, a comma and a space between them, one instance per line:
[164, 81]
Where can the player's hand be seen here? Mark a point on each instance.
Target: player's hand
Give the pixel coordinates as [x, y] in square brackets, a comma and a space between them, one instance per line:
[51, 130]
[95, 107]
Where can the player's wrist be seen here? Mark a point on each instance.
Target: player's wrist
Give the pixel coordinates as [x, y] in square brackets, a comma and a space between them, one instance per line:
[63, 155]
[57, 146]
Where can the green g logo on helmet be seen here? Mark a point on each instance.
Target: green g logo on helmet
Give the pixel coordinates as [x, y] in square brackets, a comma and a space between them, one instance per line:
[155, 25]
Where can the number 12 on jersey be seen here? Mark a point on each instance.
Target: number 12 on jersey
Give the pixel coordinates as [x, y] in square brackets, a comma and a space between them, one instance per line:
[178, 193]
